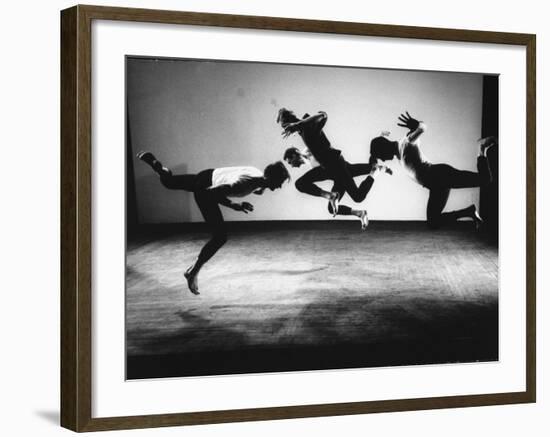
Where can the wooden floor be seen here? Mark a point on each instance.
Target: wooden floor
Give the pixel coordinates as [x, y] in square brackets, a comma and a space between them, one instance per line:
[303, 299]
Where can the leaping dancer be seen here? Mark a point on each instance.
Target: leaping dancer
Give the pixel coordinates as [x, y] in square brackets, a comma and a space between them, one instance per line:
[307, 182]
[212, 188]
[438, 178]
[310, 129]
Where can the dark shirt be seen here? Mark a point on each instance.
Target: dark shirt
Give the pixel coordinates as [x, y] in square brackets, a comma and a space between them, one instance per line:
[319, 146]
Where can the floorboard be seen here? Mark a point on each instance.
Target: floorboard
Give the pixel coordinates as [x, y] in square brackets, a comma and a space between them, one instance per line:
[309, 298]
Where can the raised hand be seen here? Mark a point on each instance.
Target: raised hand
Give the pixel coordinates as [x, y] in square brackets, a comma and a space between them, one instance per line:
[378, 168]
[289, 129]
[408, 122]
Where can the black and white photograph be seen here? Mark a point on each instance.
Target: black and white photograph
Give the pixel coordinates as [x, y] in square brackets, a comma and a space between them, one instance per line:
[284, 217]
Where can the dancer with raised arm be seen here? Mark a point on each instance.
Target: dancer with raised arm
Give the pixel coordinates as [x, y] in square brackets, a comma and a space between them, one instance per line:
[438, 178]
[212, 188]
[310, 129]
[307, 182]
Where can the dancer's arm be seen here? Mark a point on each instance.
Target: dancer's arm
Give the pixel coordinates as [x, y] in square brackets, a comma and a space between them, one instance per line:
[306, 153]
[373, 174]
[243, 187]
[316, 121]
[416, 128]
[242, 206]
[413, 136]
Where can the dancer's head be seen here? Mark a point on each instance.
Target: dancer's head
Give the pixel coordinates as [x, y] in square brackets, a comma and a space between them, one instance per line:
[286, 116]
[293, 157]
[383, 149]
[275, 174]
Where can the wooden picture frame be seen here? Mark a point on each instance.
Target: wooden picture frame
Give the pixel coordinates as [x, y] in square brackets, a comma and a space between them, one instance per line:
[76, 217]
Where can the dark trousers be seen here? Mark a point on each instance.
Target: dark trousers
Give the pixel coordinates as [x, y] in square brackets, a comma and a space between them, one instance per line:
[198, 184]
[440, 179]
[306, 183]
[343, 179]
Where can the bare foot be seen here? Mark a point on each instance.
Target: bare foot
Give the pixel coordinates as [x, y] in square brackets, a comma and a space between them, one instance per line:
[478, 221]
[486, 144]
[364, 220]
[192, 281]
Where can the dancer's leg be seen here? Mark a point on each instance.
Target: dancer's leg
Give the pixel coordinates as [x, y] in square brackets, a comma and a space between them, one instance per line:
[153, 162]
[345, 210]
[441, 177]
[343, 176]
[361, 214]
[359, 169]
[185, 182]
[467, 179]
[213, 217]
[436, 202]
[453, 178]
[342, 209]
[307, 182]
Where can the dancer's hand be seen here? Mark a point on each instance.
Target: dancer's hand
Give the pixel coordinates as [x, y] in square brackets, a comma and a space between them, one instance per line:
[408, 122]
[244, 207]
[378, 168]
[290, 128]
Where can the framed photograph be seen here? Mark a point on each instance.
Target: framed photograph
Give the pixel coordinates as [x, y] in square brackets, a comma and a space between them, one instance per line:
[268, 218]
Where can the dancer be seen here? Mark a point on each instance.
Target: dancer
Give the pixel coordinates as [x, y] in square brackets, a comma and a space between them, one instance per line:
[212, 188]
[307, 182]
[310, 129]
[438, 178]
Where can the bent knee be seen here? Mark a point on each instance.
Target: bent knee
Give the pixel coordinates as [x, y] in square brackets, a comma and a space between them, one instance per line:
[357, 197]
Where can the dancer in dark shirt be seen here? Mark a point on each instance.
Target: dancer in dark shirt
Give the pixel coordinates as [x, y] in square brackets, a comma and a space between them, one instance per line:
[310, 129]
[307, 182]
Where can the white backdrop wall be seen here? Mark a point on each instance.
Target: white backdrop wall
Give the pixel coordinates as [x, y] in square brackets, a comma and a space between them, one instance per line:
[195, 115]
[29, 228]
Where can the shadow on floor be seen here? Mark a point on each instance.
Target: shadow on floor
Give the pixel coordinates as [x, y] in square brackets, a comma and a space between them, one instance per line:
[386, 331]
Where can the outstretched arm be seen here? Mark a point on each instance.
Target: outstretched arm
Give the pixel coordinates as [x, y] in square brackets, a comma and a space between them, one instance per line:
[373, 174]
[316, 121]
[221, 193]
[413, 136]
[416, 128]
